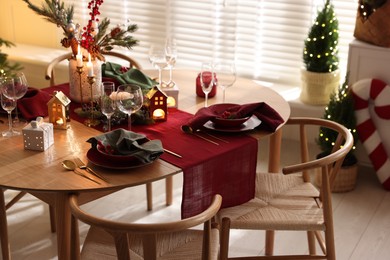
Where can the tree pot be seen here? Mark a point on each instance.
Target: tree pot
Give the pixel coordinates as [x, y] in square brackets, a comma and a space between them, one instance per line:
[317, 87]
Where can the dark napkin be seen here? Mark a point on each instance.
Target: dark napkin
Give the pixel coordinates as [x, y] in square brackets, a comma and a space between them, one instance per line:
[34, 104]
[124, 142]
[132, 75]
[270, 119]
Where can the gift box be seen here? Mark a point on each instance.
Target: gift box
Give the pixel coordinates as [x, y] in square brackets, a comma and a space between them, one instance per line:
[38, 135]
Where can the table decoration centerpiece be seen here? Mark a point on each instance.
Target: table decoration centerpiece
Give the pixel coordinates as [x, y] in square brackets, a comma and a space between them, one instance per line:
[94, 39]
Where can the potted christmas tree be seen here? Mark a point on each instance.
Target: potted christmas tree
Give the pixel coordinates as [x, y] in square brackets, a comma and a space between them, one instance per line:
[6, 68]
[340, 109]
[320, 75]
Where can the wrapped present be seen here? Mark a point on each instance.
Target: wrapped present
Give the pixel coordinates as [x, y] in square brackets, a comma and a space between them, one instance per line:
[38, 135]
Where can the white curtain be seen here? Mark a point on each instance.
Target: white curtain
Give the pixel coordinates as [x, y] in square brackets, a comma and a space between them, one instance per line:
[264, 37]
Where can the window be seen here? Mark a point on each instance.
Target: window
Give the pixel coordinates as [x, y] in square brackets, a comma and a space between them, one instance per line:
[264, 37]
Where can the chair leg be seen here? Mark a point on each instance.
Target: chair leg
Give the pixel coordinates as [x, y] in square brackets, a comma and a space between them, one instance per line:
[15, 199]
[169, 190]
[5, 247]
[311, 242]
[149, 196]
[224, 239]
[269, 242]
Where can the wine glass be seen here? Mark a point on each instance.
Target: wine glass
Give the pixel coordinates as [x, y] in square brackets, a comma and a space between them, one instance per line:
[8, 104]
[207, 79]
[21, 87]
[129, 99]
[107, 101]
[226, 74]
[171, 55]
[158, 59]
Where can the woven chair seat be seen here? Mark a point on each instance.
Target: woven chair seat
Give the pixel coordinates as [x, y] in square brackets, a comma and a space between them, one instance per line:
[173, 245]
[282, 202]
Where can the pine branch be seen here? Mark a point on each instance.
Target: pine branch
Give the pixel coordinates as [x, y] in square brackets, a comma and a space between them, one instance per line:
[55, 12]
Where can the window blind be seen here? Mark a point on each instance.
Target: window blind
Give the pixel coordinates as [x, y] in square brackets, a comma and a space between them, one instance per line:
[265, 37]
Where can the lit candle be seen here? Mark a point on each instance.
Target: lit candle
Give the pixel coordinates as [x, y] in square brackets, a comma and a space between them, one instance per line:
[79, 58]
[89, 66]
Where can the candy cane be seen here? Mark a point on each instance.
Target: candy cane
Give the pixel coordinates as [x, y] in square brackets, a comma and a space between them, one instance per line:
[378, 92]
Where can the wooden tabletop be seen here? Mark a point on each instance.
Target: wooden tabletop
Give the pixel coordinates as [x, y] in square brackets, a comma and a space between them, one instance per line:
[42, 171]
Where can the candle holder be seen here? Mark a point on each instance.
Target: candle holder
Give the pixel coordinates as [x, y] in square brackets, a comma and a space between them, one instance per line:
[91, 121]
[80, 71]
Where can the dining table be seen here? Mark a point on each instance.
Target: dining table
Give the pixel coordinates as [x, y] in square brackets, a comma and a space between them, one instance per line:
[41, 173]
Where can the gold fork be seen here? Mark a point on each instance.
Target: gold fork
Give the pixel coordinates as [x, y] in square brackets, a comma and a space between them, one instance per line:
[80, 164]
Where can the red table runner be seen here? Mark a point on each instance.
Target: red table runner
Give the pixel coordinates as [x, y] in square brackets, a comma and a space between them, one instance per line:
[228, 169]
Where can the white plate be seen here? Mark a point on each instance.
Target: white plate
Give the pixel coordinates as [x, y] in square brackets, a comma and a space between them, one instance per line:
[251, 124]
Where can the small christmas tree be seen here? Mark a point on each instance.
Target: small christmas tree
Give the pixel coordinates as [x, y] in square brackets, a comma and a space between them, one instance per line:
[321, 52]
[341, 110]
[7, 68]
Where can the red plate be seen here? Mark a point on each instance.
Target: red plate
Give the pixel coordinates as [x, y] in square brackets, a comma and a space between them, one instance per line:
[113, 161]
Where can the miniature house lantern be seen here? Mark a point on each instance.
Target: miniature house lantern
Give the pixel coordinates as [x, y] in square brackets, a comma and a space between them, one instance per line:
[58, 109]
[157, 104]
[173, 95]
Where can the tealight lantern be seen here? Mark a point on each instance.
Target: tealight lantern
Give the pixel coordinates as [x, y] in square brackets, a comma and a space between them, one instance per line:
[58, 109]
[173, 95]
[158, 107]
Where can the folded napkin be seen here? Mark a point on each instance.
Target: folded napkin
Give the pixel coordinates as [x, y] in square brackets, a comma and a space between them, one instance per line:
[270, 119]
[128, 143]
[34, 104]
[128, 76]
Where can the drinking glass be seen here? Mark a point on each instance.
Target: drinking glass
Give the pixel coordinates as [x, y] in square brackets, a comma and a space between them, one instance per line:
[21, 87]
[129, 99]
[107, 101]
[158, 59]
[226, 74]
[171, 55]
[207, 79]
[8, 104]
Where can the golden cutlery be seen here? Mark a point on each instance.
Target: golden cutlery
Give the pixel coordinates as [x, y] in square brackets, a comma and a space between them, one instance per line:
[213, 136]
[188, 130]
[172, 153]
[71, 166]
[83, 166]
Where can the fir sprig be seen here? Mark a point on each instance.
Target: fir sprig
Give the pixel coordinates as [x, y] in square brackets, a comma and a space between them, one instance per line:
[55, 12]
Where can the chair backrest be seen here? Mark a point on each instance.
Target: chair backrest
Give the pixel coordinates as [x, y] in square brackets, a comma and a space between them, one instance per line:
[329, 164]
[119, 230]
[50, 75]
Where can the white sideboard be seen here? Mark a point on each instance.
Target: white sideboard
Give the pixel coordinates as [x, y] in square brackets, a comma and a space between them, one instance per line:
[370, 61]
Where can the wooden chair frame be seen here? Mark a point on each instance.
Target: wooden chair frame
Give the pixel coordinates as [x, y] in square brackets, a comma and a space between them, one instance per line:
[329, 166]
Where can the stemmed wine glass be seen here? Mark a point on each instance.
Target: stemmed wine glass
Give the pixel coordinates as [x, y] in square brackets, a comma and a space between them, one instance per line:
[158, 59]
[226, 73]
[171, 55]
[129, 99]
[21, 87]
[107, 101]
[207, 79]
[8, 104]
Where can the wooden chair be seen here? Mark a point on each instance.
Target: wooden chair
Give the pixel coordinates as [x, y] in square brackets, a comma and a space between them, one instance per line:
[50, 75]
[5, 246]
[109, 239]
[288, 200]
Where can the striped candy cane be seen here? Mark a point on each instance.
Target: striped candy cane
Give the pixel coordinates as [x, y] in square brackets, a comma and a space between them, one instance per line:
[374, 91]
